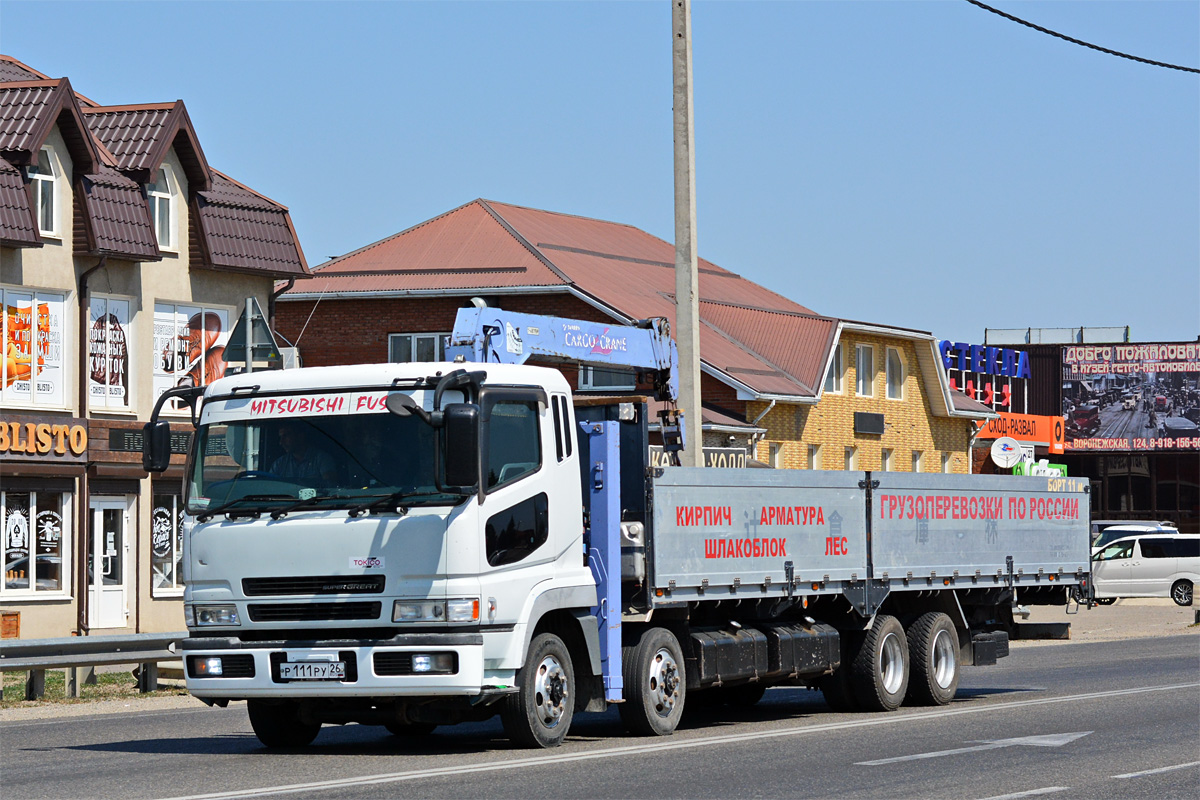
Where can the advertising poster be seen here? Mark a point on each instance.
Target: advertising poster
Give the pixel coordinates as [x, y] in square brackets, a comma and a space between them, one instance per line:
[108, 353]
[1132, 397]
[189, 346]
[32, 370]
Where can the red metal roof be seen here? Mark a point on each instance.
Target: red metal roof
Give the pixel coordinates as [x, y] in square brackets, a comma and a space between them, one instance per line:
[16, 218]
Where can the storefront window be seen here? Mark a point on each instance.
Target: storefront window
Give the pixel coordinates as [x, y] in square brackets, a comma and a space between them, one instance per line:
[189, 347]
[35, 550]
[108, 353]
[166, 544]
[32, 370]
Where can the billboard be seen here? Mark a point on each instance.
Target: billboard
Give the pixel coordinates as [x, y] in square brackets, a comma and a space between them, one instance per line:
[1131, 397]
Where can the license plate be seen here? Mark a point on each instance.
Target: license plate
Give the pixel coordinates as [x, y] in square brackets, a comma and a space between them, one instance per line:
[312, 670]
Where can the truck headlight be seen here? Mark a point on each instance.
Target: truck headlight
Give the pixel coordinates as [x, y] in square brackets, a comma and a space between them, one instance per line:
[461, 609]
[216, 615]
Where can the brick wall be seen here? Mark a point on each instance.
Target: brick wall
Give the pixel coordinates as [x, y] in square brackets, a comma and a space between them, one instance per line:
[910, 424]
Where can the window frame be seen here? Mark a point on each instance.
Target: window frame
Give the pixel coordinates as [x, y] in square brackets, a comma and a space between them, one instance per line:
[835, 378]
[858, 372]
[40, 353]
[885, 459]
[161, 377]
[888, 373]
[814, 456]
[105, 403]
[176, 542]
[491, 396]
[587, 383]
[918, 461]
[850, 458]
[440, 342]
[38, 182]
[947, 463]
[170, 196]
[66, 564]
[775, 454]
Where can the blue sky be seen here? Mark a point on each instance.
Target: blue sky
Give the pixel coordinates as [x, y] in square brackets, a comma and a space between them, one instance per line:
[923, 164]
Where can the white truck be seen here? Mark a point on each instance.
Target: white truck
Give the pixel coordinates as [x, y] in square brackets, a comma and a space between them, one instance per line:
[414, 545]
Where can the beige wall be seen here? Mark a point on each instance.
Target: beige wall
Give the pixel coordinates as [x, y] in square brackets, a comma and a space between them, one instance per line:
[171, 280]
[910, 423]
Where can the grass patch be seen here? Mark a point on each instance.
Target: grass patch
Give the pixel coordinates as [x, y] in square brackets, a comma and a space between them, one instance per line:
[108, 686]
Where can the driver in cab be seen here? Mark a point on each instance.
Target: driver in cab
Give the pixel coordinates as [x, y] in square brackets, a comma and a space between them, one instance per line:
[300, 460]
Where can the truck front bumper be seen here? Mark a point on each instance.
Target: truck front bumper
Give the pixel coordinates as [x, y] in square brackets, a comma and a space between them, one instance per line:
[374, 668]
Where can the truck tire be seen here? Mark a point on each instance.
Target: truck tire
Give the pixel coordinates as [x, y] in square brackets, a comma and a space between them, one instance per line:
[655, 684]
[879, 672]
[539, 714]
[933, 655]
[278, 725]
[1181, 593]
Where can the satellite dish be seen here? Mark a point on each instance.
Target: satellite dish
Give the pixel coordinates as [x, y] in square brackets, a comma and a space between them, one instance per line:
[1006, 452]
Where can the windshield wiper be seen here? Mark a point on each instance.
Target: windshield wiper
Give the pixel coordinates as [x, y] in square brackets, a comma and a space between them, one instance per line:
[209, 513]
[305, 502]
[391, 499]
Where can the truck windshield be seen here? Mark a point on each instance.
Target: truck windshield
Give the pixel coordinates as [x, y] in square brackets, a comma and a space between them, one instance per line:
[257, 465]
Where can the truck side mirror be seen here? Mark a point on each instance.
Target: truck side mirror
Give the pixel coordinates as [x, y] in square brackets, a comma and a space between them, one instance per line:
[156, 446]
[460, 440]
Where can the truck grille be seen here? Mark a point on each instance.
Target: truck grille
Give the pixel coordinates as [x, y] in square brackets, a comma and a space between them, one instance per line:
[296, 612]
[313, 584]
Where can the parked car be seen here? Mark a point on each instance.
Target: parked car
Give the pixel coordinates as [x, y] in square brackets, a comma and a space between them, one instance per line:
[1179, 428]
[1129, 402]
[1158, 563]
[1085, 419]
[1160, 403]
[1105, 532]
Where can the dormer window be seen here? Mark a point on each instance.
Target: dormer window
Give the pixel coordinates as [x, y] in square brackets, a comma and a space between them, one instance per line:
[42, 182]
[160, 193]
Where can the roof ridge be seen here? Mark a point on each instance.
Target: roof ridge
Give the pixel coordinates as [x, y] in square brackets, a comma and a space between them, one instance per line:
[809, 315]
[131, 107]
[572, 216]
[521, 240]
[38, 84]
[391, 236]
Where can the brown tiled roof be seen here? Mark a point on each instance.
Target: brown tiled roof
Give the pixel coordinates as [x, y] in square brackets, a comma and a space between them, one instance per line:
[13, 70]
[16, 218]
[965, 404]
[28, 112]
[244, 231]
[117, 218]
[139, 136]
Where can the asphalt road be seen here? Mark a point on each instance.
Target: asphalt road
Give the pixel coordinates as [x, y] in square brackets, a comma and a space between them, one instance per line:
[1096, 720]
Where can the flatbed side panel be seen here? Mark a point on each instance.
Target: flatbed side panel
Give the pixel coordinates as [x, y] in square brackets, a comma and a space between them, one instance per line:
[937, 524]
[738, 530]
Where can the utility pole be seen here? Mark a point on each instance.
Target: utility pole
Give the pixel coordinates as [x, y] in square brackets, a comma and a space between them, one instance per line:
[687, 289]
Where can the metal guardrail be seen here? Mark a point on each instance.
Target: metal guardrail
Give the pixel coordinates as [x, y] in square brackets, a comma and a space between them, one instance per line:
[71, 652]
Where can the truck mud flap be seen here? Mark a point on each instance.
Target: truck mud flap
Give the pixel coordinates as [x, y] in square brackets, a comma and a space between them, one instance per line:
[987, 647]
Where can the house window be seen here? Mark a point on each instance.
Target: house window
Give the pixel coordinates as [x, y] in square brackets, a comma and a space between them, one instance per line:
[895, 375]
[837, 369]
[864, 367]
[917, 458]
[36, 554]
[608, 380]
[33, 366]
[814, 456]
[42, 177]
[108, 353]
[160, 193]
[947, 462]
[189, 347]
[851, 458]
[166, 544]
[776, 455]
[407, 347]
[885, 460]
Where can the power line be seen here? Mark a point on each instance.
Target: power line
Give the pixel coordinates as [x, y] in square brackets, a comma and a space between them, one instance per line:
[1078, 42]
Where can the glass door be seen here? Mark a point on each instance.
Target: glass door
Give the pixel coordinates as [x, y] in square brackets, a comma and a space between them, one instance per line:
[108, 552]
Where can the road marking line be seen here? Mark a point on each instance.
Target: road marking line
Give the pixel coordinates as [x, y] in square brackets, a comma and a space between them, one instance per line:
[1048, 740]
[1030, 793]
[1156, 771]
[647, 749]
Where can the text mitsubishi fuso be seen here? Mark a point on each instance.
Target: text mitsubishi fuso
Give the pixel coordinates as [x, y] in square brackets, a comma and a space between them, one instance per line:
[414, 545]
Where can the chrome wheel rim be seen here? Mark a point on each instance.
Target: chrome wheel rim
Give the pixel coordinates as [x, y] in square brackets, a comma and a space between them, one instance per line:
[943, 659]
[891, 663]
[664, 682]
[1183, 593]
[550, 692]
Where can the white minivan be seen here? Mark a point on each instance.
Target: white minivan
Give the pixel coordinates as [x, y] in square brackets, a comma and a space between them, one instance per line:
[1162, 563]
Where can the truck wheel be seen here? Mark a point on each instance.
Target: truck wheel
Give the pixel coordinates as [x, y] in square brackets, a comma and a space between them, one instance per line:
[655, 685]
[279, 724]
[539, 713]
[1181, 593]
[879, 673]
[933, 655]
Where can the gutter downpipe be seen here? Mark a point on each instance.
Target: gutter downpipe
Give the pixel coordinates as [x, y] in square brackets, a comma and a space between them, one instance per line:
[271, 303]
[83, 522]
[759, 437]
